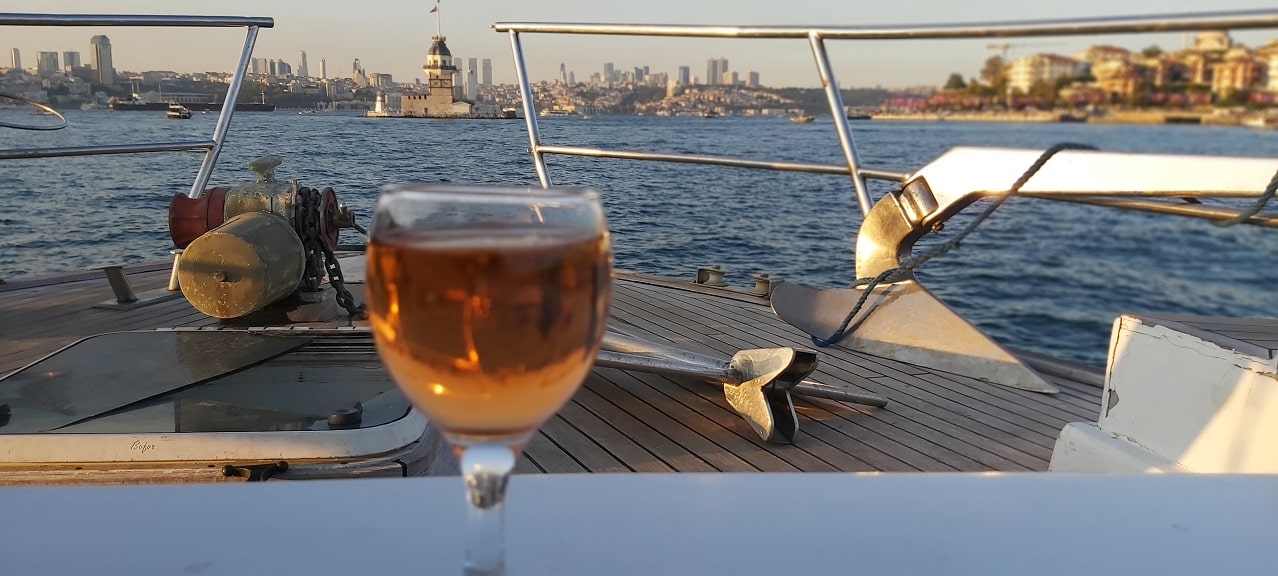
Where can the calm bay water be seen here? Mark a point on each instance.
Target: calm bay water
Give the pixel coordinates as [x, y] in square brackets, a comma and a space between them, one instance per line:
[1040, 275]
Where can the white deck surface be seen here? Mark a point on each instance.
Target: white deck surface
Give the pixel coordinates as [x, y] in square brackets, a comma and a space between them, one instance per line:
[661, 524]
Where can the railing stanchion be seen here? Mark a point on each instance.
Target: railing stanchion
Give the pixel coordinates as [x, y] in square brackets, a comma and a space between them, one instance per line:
[530, 110]
[224, 118]
[840, 121]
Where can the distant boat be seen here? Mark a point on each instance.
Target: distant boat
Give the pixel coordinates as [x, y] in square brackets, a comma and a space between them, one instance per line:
[178, 112]
[1260, 121]
[709, 114]
[801, 119]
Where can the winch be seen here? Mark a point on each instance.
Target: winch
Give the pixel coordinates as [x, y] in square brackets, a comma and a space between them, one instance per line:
[255, 245]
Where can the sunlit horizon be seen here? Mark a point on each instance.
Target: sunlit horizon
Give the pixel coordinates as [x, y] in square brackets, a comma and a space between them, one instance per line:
[393, 38]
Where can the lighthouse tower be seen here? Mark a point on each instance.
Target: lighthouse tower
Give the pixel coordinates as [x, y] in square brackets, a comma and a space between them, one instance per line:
[439, 74]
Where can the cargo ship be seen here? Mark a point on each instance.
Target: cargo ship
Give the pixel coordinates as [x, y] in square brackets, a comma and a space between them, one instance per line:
[158, 102]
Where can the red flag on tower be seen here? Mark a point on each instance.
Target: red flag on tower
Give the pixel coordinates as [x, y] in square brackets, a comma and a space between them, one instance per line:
[435, 9]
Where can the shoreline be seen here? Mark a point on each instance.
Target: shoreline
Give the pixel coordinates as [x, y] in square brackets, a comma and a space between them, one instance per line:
[1204, 118]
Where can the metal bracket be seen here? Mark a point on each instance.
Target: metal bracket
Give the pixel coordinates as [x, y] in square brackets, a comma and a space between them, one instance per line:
[255, 472]
[125, 299]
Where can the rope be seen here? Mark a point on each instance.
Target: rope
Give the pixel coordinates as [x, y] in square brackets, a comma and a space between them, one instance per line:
[38, 106]
[910, 263]
[1255, 208]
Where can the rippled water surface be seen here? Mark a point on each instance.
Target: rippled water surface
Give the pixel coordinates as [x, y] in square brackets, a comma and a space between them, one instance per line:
[1041, 275]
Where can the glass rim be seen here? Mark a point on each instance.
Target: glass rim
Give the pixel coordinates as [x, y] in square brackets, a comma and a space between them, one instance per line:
[513, 192]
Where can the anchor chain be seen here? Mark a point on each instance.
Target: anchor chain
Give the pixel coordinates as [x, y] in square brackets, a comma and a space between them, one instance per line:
[320, 259]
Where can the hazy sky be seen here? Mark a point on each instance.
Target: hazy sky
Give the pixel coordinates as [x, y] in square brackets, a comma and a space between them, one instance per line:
[391, 36]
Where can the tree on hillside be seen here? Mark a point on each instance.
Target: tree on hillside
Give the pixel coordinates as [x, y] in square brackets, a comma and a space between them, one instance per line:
[994, 73]
[1151, 51]
[955, 82]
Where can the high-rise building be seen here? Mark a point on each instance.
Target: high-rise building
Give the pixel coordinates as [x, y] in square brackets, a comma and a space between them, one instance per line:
[488, 71]
[272, 68]
[46, 63]
[608, 73]
[258, 66]
[283, 68]
[15, 57]
[685, 75]
[563, 73]
[100, 52]
[472, 79]
[754, 80]
[323, 69]
[70, 60]
[459, 87]
[302, 72]
[712, 71]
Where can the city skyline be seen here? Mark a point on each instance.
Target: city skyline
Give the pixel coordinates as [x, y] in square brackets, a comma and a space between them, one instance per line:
[401, 42]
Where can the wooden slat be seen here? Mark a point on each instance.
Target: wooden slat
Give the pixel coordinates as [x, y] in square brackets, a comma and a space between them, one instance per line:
[624, 421]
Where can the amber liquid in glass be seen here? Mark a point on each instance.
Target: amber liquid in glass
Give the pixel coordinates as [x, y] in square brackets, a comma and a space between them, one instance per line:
[489, 330]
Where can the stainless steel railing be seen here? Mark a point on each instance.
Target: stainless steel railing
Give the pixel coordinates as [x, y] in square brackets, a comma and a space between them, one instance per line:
[212, 148]
[816, 36]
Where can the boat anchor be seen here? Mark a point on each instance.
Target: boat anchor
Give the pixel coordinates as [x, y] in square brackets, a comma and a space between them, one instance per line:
[757, 383]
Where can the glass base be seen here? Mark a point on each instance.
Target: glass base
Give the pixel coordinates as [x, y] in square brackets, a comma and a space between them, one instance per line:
[486, 464]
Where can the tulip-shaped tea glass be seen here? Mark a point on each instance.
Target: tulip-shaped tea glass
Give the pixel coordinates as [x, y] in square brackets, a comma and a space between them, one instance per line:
[488, 305]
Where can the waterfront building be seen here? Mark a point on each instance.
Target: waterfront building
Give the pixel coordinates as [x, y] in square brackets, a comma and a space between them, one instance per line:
[15, 57]
[1236, 71]
[47, 63]
[1273, 74]
[1025, 72]
[100, 52]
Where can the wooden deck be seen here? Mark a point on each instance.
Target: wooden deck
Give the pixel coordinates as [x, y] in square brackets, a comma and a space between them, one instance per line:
[624, 421]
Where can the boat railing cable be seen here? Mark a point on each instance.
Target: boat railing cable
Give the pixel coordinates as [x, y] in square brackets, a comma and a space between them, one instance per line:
[213, 147]
[852, 166]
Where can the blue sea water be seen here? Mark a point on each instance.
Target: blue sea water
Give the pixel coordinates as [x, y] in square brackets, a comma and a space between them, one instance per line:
[1040, 275]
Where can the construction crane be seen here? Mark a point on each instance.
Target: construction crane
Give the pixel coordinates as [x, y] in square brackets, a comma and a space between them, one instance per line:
[1003, 48]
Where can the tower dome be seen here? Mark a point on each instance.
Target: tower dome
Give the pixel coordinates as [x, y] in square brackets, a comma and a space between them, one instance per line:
[438, 47]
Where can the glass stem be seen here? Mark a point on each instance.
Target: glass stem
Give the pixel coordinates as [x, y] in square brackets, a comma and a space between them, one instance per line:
[486, 469]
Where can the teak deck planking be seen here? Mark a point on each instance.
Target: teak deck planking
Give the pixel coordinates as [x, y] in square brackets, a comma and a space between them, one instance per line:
[623, 421]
